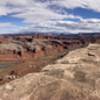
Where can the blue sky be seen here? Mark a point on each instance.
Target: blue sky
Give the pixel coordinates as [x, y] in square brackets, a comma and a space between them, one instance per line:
[67, 16]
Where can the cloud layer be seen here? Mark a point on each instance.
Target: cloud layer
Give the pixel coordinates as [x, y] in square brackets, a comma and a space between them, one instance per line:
[68, 16]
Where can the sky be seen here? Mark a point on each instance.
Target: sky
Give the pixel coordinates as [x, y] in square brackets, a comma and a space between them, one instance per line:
[60, 16]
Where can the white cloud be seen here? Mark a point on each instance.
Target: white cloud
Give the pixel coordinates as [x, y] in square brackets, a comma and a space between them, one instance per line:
[9, 28]
[38, 17]
[91, 4]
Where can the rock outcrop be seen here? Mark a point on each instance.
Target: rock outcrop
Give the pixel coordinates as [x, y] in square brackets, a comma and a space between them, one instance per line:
[73, 77]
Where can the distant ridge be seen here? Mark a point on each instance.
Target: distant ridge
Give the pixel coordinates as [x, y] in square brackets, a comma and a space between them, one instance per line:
[52, 33]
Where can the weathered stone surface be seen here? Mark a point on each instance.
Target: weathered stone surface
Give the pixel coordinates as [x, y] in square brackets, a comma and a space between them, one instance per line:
[67, 79]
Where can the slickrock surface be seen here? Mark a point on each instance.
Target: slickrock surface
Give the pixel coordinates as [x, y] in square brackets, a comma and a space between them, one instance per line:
[74, 77]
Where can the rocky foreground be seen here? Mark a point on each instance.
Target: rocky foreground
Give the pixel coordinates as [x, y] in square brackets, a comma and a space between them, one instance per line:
[73, 77]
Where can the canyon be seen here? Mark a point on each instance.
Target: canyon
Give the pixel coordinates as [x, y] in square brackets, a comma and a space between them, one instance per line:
[50, 67]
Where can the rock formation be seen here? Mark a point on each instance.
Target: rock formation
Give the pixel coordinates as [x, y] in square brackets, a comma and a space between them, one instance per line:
[76, 76]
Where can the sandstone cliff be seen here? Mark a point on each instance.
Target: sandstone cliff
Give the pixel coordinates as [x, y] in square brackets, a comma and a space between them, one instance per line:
[74, 77]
